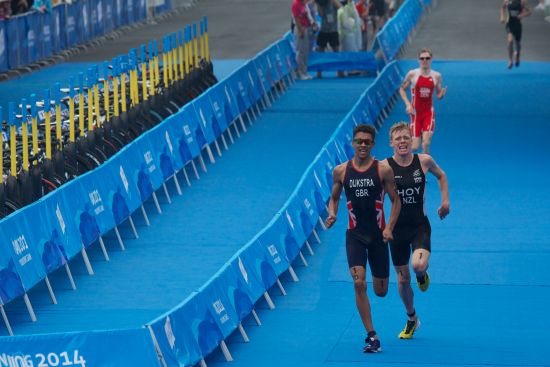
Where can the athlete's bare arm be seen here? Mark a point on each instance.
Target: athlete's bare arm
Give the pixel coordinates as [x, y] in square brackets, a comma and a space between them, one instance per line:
[429, 165]
[441, 91]
[337, 186]
[403, 92]
[502, 10]
[526, 10]
[388, 180]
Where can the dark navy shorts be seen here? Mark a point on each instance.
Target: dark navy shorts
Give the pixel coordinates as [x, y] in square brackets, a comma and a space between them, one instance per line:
[361, 248]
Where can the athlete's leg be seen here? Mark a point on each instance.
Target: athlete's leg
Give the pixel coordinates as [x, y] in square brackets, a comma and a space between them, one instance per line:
[517, 44]
[426, 141]
[405, 289]
[415, 129]
[420, 261]
[510, 39]
[361, 299]
[427, 123]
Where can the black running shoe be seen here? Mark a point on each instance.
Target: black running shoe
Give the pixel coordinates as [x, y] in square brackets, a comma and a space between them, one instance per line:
[373, 346]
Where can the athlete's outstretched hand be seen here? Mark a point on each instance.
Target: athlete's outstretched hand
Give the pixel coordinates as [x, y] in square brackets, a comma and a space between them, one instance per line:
[330, 220]
[442, 93]
[444, 210]
[387, 235]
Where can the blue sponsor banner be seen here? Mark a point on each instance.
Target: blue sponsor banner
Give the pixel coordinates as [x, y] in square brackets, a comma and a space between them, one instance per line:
[277, 251]
[96, 194]
[11, 285]
[336, 152]
[228, 101]
[273, 74]
[343, 139]
[3, 47]
[58, 35]
[287, 53]
[240, 91]
[21, 240]
[260, 68]
[130, 16]
[109, 8]
[165, 150]
[292, 212]
[95, 348]
[176, 336]
[182, 139]
[123, 197]
[44, 35]
[205, 118]
[32, 27]
[72, 35]
[12, 42]
[141, 175]
[222, 115]
[281, 67]
[189, 134]
[248, 279]
[313, 203]
[249, 75]
[81, 13]
[322, 174]
[217, 294]
[23, 40]
[63, 230]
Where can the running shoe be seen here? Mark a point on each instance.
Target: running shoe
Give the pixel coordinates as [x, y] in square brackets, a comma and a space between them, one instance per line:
[423, 283]
[409, 329]
[373, 345]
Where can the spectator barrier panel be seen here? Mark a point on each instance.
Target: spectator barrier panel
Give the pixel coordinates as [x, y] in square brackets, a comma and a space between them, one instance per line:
[33, 37]
[76, 215]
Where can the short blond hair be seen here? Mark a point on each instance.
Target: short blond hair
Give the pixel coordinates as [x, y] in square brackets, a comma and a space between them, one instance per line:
[398, 126]
[425, 49]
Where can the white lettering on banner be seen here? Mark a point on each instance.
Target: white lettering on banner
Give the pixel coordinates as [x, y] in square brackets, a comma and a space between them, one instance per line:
[2, 42]
[46, 31]
[99, 12]
[96, 201]
[330, 166]
[186, 130]
[70, 24]
[148, 160]
[85, 16]
[123, 178]
[289, 219]
[30, 38]
[169, 142]
[241, 87]
[243, 270]
[19, 245]
[43, 360]
[25, 259]
[274, 253]
[60, 218]
[202, 117]
[216, 106]
[226, 94]
[317, 179]
[309, 208]
[251, 80]
[148, 157]
[169, 334]
[219, 308]
[269, 62]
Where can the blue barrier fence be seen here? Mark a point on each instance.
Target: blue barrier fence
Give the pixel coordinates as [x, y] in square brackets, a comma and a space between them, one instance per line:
[76, 215]
[30, 37]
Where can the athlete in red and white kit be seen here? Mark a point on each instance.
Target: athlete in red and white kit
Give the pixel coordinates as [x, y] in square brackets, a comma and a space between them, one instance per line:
[423, 82]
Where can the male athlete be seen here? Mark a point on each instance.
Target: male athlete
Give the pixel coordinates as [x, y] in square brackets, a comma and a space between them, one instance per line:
[423, 81]
[412, 229]
[364, 180]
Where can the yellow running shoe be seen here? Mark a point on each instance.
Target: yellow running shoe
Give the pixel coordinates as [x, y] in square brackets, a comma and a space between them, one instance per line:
[409, 329]
[423, 284]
